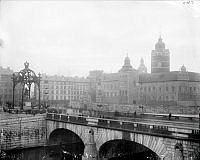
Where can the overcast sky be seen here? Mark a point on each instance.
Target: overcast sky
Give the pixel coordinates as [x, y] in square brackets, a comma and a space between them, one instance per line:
[71, 38]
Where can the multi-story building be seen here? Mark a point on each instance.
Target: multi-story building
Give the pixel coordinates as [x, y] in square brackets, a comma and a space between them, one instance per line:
[63, 90]
[94, 80]
[165, 87]
[6, 85]
[115, 88]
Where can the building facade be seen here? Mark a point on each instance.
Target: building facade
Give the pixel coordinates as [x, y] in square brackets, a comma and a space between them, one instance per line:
[163, 87]
[115, 88]
[63, 90]
[6, 87]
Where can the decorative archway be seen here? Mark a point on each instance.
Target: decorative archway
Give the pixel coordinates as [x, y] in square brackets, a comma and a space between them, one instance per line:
[26, 78]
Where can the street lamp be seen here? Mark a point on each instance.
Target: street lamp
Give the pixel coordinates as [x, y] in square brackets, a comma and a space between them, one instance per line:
[46, 96]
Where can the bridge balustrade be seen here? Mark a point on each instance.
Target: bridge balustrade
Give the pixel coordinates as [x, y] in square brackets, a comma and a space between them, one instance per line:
[102, 122]
[56, 116]
[49, 116]
[128, 126]
[195, 134]
[181, 132]
[115, 124]
[64, 118]
[160, 130]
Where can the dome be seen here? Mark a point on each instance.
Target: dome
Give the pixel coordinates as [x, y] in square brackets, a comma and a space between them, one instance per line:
[160, 45]
[127, 65]
[183, 68]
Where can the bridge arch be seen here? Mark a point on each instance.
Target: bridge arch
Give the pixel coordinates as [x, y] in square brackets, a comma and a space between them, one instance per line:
[155, 144]
[62, 141]
[125, 149]
[102, 135]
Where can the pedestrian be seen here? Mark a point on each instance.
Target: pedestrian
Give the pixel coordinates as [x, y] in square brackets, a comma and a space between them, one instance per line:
[170, 115]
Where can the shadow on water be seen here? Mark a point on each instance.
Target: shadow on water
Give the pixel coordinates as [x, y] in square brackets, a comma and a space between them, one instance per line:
[40, 153]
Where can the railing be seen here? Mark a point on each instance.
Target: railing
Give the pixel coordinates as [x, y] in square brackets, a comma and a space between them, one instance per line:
[165, 130]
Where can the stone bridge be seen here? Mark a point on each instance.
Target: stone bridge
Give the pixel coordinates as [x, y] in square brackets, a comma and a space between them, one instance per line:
[99, 137]
[167, 142]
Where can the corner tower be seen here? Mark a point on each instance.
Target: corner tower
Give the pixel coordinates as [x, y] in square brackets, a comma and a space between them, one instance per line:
[160, 58]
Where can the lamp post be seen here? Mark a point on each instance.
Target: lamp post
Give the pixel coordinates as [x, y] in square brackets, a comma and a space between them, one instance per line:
[46, 96]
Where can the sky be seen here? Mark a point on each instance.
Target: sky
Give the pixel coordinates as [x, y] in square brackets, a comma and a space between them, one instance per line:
[71, 38]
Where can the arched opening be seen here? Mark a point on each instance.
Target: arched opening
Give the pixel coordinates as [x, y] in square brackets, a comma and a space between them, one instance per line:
[65, 144]
[120, 149]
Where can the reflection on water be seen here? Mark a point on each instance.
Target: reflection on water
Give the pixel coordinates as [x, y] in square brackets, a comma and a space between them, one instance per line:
[40, 153]
[46, 153]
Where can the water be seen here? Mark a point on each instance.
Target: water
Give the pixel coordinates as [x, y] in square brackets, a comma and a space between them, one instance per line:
[56, 153]
[40, 153]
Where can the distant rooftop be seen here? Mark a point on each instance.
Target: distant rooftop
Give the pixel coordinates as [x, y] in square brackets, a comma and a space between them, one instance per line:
[170, 76]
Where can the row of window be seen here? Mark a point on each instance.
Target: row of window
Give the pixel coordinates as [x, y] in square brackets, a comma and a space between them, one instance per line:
[114, 94]
[111, 86]
[160, 98]
[63, 82]
[172, 88]
[62, 98]
[83, 87]
[64, 92]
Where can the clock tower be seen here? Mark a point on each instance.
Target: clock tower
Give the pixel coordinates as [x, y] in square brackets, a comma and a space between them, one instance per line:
[160, 58]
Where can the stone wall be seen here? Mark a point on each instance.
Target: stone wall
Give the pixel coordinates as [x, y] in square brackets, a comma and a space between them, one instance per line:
[25, 132]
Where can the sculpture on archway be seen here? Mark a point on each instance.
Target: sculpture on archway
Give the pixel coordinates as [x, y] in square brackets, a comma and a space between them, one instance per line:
[26, 78]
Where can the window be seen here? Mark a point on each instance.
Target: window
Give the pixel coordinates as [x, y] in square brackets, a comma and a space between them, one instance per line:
[125, 93]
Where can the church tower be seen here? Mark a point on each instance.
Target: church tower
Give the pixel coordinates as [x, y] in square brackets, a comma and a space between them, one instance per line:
[160, 58]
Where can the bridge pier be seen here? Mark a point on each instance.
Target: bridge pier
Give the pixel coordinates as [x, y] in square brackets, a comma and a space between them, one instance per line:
[178, 154]
[90, 151]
